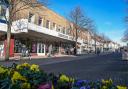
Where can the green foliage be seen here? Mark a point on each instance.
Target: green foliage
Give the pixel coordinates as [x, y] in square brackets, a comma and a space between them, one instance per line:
[26, 76]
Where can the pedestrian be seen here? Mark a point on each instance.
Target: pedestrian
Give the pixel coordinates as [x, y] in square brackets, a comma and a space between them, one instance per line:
[71, 50]
[98, 52]
[23, 50]
[74, 51]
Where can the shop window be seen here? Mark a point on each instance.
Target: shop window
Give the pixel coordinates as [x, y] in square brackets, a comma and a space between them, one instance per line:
[40, 48]
[47, 24]
[55, 49]
[34, 48]
[18, 46]
[68, 31]
[21, 44]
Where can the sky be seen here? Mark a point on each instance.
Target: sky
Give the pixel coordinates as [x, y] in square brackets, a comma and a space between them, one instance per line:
[108, 15]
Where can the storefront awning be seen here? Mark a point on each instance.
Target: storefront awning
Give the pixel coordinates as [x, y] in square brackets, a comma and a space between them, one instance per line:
[35, 36]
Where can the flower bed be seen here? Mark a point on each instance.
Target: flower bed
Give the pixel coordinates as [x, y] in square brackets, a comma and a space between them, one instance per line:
[26, 76]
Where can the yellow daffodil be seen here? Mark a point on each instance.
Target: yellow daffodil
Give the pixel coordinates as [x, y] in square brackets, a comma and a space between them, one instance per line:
[18, 67]
[17, 76]
[104, 87]
[26, 86]
[34, 67]
[21, 66]
[3, 70]
[26, 65]
[72, 80]
[107, 81]
[52, 86]
[121, 87]
[64, 78]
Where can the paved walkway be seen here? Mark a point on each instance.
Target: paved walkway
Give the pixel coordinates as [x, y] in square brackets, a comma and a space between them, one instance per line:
[47, 60]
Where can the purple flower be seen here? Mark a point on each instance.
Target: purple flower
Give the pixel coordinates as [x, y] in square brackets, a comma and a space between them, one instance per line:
[81, 82]
[82, 88]
[88, 87]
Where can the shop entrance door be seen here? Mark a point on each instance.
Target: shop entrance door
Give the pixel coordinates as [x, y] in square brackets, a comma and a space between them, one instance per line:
[40, 49]
[1, 48]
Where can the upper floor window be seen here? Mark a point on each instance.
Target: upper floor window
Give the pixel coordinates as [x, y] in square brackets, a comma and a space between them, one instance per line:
[47, 24]
[2, 11]
[40, 21]
[68, 32]
[31, 18]
[59, 28]
[63, 30]
[54, 26]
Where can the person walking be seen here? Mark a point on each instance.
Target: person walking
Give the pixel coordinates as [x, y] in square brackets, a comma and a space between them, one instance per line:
[98, 52]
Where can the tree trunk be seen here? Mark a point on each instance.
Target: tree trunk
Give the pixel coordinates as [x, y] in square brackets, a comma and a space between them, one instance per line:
[9, 24]
[76, 43]
[8, 42]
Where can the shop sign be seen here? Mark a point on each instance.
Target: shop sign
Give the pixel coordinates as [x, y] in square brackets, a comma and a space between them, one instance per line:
[71, 38]
[62, 36]
[20, 26]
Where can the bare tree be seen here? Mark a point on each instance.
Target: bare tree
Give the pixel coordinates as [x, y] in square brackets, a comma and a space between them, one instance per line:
[125, 37]
[90, 25]
[15, 6]
[79, 20]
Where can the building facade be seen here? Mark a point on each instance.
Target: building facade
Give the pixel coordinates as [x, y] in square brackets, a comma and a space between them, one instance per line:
[42, 32]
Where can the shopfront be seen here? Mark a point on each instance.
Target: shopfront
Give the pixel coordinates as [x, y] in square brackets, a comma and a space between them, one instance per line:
[34, 47]
[36, 44]
[2, 38]
[1, 48]
[41, 48]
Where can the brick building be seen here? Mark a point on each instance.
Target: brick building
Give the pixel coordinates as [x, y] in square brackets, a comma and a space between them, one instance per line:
[42, 32]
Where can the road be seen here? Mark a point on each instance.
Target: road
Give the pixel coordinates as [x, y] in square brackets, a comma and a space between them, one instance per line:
[88, 67]
[93, 68]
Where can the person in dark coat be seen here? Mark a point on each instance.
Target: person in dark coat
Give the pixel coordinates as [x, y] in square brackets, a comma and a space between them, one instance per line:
[98, 52]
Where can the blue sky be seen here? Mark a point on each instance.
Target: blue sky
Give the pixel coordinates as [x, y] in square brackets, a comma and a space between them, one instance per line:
[107, 14]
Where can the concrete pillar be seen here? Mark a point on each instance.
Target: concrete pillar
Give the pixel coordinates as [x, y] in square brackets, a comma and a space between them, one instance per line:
[37, 47]
[80, 50]
[50, 49]
[45, 49]
[60, 45]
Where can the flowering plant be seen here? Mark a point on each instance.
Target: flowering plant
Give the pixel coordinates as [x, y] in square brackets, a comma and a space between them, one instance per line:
[22, 76]
[26, 76]
[64, 82]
